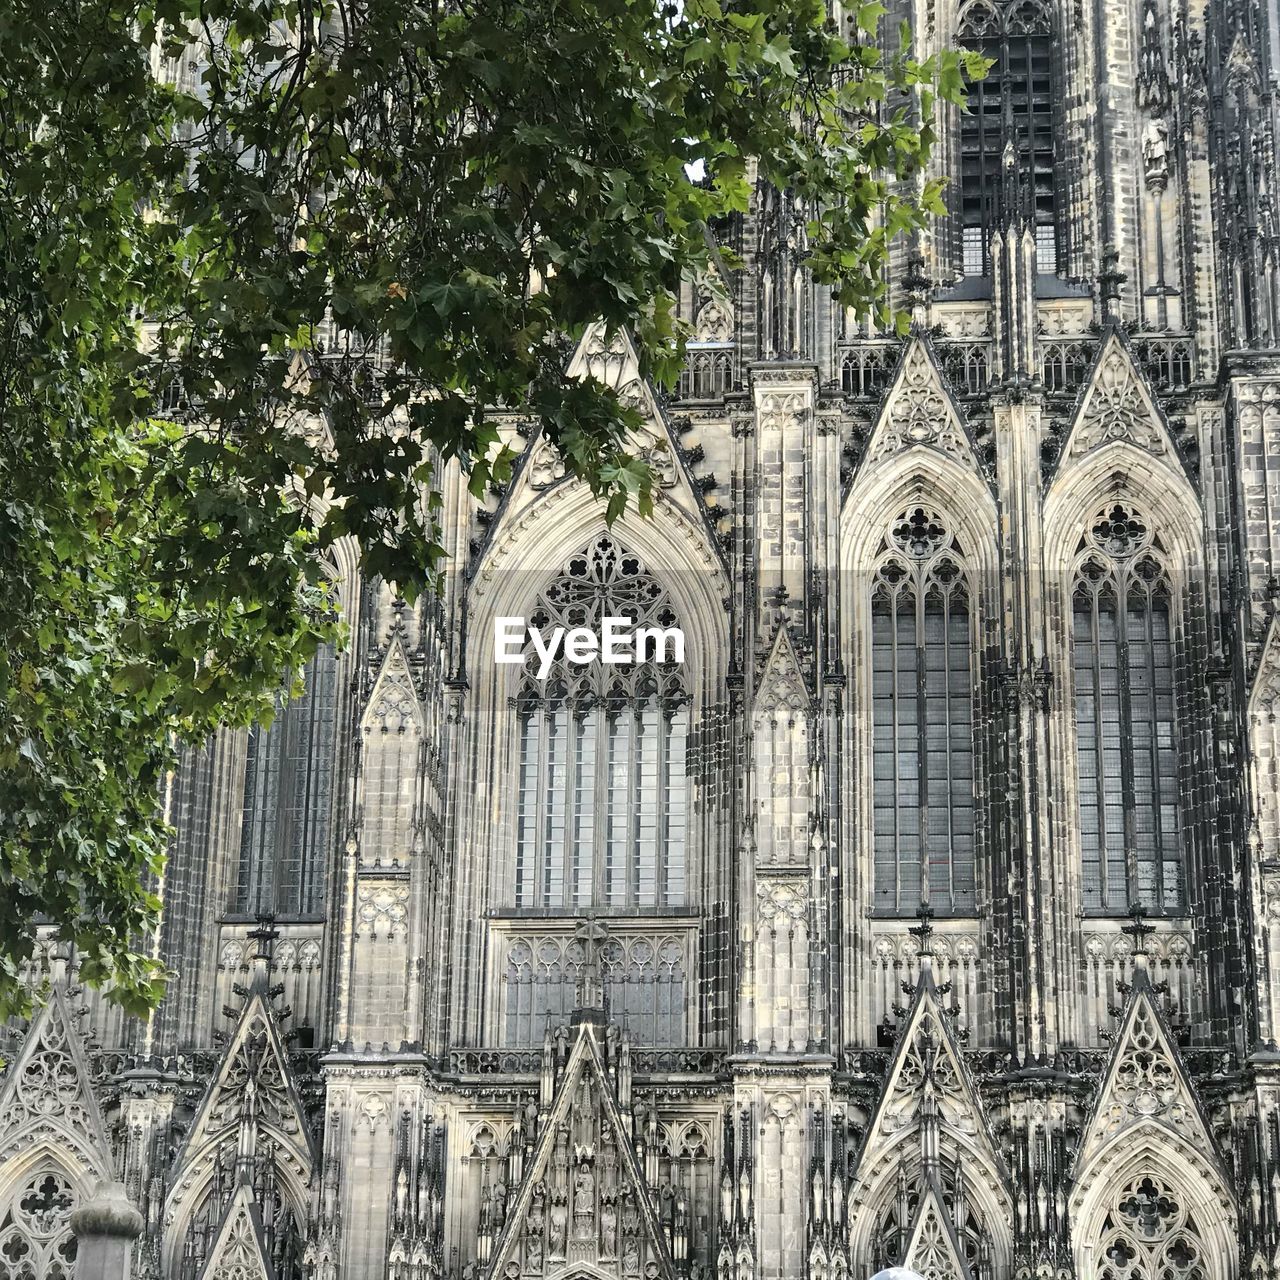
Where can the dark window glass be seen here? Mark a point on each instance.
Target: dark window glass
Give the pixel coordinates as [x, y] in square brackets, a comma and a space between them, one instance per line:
[288, 800]
[922, 722]
[1126, 726]
[1011, 110]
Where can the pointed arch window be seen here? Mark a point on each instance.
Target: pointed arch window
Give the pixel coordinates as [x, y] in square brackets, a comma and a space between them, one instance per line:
[1012, 108]
[922, 720]
[289, 797]
[1126, 721]
[1149, 1233]
[283, 1238]
[601, 806]
[36, 1241]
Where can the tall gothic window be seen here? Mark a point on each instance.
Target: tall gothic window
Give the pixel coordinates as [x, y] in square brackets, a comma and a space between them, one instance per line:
[601, 803]
[922, 714]
[288, 799]
[1126, 725]
[1011, 108]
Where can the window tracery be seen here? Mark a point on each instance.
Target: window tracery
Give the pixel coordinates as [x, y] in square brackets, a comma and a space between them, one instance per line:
[1149, 1234]
[601, 792]
[1011, 107]
[1126, 717]
[922, 720]
[644, 984]
[36, 1241]
[892, 1237]
[283, 1236]
[288, 799]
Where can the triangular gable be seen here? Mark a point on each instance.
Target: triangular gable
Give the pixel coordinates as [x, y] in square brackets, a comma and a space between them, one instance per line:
[47, 1096]
[254, 1073]
[540, 468]
[239, 1250]
[583, 1204]
[1145, 1085]
[920, 411]
[615, 364]
[1118, 404]
[927, 1050]
[1264, 690]
[933, 1249]
[782, 681]
[315, 428]
[393, 703]
[1240, 65]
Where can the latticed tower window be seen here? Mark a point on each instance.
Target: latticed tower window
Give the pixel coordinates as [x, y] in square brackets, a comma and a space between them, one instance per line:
[1007, 135]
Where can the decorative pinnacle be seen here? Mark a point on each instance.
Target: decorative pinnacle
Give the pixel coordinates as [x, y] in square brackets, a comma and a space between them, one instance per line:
[923, 932]
[590, 993]
[264, 936]
[1109, 281]
[1139, 930]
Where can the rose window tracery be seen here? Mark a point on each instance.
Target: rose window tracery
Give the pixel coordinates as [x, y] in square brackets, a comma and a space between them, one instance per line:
[36, 1242]
[1148, 1234]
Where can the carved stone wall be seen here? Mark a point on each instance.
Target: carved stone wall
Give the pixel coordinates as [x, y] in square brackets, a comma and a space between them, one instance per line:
[773, 1067]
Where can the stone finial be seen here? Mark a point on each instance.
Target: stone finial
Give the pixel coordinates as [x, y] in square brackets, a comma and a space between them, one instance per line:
[1110, 278]
[105, 1226]
[591, 934]
[1139, 930]
[923, 932]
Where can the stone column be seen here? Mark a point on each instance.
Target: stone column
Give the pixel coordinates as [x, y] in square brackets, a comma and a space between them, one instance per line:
[105, 1227]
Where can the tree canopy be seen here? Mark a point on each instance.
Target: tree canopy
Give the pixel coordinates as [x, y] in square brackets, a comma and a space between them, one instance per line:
[338, 234]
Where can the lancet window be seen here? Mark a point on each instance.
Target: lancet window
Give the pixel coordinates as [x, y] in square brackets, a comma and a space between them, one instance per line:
[288, 799]
[601, 806]
[1126, 718]
[922, 720]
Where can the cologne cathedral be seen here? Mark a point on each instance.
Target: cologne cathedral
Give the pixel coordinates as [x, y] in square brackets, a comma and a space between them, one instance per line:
[927, 913]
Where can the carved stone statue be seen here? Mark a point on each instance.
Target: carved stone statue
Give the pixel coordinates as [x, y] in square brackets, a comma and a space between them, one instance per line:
[608, 1230]
[559, 1232]
[1155, 151]
[584, 1188]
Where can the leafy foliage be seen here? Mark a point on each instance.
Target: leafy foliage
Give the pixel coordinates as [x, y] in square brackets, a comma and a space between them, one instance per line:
[268, 265]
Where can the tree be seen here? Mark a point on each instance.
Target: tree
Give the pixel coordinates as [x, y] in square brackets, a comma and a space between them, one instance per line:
[338, 233]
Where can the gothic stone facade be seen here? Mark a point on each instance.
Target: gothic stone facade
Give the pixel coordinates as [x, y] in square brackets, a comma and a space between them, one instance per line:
[927, 913]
